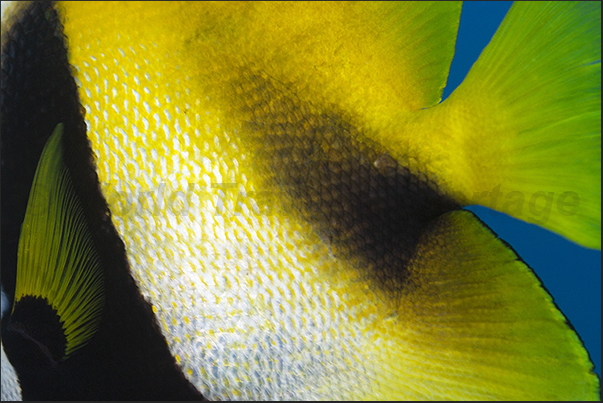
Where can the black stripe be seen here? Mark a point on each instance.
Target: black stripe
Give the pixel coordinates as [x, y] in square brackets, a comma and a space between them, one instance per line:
[128, 358]
[37, 93]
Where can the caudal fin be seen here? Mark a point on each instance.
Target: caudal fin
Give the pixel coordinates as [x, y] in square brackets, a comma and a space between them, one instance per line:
[527, 120]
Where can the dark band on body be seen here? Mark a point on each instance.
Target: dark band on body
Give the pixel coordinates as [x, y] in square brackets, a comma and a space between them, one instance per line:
[361, 201]
[128, 358]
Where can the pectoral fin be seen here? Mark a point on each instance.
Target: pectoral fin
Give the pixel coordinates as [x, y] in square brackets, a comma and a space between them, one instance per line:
[59, 293]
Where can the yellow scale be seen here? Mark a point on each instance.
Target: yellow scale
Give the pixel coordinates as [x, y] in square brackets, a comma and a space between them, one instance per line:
[226, 305]
[254, 303]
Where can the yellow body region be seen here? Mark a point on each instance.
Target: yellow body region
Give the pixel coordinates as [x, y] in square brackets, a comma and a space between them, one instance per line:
[187, 106]
[238, 288]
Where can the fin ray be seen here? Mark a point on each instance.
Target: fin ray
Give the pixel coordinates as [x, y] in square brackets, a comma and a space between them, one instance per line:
[527, 120]
[479, 325]
[57, 260]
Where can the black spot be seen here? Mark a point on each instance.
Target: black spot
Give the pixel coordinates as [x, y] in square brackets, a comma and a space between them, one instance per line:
[36, 320]
[358, 197]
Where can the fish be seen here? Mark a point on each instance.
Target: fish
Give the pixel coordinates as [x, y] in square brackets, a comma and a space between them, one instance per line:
[263, 200]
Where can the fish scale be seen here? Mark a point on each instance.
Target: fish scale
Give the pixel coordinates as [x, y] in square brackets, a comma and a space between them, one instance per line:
[224, 305]
[289, 211]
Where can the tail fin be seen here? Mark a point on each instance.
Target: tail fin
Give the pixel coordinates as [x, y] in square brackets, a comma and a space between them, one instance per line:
[528, 120]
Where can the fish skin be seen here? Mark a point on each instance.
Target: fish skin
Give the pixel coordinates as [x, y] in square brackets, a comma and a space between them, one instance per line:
[288, 222]
[128, 337]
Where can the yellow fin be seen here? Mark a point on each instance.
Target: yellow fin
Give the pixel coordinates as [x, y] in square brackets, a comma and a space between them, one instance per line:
[419, 39]
[527, 120]
[57, 261]
[477, 324]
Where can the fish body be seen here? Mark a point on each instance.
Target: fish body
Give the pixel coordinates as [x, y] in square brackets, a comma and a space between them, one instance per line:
[274, 195]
